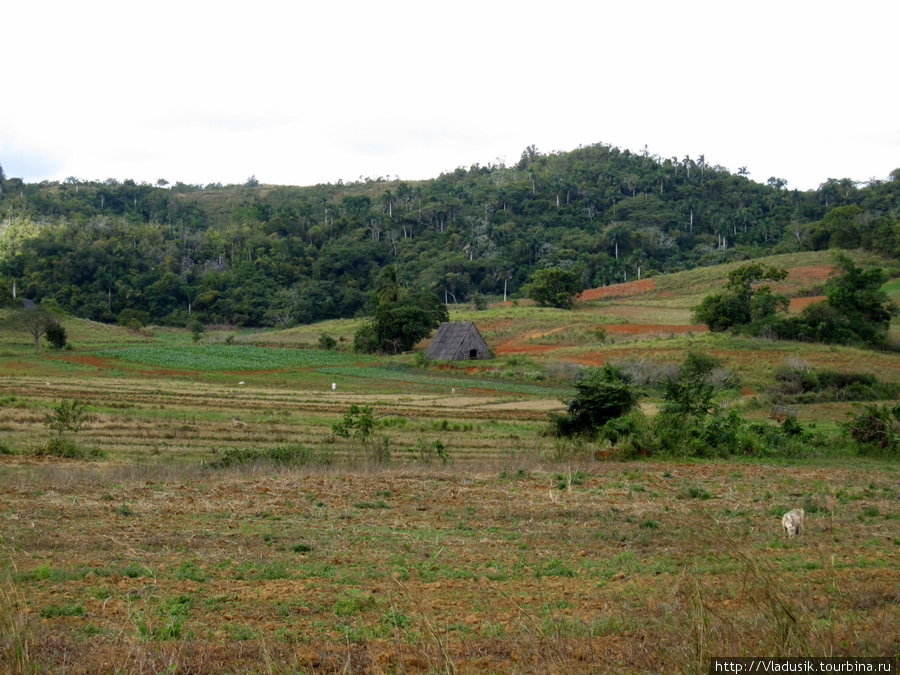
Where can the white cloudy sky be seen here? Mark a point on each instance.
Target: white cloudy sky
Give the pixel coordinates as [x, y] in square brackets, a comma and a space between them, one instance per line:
[302, 93]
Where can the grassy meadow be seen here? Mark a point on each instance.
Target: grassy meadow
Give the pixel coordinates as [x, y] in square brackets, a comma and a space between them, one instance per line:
[205, 516]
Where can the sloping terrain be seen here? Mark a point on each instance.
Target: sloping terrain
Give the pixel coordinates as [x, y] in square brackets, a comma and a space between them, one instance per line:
[460, 538]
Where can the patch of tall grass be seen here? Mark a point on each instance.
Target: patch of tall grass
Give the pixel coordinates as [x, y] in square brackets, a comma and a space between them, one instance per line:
[16, 628]
[293, 454]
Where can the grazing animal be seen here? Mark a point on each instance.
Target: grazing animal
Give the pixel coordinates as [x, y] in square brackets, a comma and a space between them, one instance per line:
[793, 522]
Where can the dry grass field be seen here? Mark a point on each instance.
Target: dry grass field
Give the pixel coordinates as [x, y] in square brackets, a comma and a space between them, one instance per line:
[459, 538]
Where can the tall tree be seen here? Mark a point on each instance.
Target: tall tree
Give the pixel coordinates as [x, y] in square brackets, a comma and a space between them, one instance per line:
[34, 321]
[555, 287]
[857, 293]
[743, 300]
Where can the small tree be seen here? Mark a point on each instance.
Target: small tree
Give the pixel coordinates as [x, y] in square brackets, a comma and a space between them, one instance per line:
[55, 334]
[742, 301]
[398, 325]
[603, 394]
[327, 342]
[876, 430]
[690, 393]
[857, 294]
[357, 420]
[67, 416]
[6, 296]
[196, 329]
[34, 320]
[554, 286]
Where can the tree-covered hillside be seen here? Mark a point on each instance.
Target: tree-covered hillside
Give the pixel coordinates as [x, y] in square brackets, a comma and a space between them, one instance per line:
[275, 255]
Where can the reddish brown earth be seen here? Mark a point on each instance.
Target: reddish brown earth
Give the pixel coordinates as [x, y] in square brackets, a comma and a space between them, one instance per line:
[810, 273]
[797, 304]
[653, 328]
[515, 347]
[799, 278]
[618, 290]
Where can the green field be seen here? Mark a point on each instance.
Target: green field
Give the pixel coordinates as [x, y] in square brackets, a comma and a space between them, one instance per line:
[228, 358]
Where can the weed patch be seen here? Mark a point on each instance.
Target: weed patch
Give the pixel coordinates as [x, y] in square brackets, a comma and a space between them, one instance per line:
[299, 455]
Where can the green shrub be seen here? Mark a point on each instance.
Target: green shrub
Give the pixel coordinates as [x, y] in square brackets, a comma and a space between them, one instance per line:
[327, 342]
[67, 416]
[602, 394]
[421, 359]
[876, 430]
[696, 492]
[398, 324]
[133, 319]
[55, 334]
[711, 435]
[554, 286]
[65, 448]
[427, 451]
[280, 454]
[357, 420]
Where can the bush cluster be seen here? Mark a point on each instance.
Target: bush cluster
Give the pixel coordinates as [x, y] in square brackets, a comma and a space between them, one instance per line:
[806, 385]
[856, 311]
[281, 454]
[689, 424]
[65, 448]
[876, 430]
[602, 394]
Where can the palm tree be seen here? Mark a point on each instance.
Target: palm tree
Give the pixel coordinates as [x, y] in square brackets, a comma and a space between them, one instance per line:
[638, 258]
[504, 273]
[388, 288]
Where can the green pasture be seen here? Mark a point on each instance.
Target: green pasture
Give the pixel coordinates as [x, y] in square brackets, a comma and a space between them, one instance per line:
[406, 375]
[228, 358]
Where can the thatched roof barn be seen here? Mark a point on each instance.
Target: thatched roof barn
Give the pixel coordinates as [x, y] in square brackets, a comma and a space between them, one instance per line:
[458, 341]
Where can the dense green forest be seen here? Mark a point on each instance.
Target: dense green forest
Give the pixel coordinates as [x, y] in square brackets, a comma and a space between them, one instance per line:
[258, 255]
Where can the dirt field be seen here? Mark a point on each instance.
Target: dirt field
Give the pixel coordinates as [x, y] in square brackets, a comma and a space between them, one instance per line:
[597, 568]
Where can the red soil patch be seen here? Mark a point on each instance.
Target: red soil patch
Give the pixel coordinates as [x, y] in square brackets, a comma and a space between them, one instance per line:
[589, 361]
[619, 290]
[798, 304]
[514, 347]
[87, 360]
[808, 273]
[653, 328]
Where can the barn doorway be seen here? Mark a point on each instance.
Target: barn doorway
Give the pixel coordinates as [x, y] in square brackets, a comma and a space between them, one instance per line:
[473, 353]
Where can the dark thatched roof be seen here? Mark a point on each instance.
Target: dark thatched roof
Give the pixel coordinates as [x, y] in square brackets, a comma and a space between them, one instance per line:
[458, 341]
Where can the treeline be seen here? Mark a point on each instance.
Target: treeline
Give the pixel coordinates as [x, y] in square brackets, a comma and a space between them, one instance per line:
[260, 255]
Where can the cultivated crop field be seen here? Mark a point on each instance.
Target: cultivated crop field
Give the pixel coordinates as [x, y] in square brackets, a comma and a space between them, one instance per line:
[208, 518]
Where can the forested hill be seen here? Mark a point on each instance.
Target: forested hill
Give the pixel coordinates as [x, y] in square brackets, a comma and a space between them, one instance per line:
[264, 255]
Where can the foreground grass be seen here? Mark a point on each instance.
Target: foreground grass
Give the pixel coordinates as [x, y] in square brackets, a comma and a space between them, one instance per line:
[522, 566]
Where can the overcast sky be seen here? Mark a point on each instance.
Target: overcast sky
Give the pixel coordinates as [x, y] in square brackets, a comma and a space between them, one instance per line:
[302, 93]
